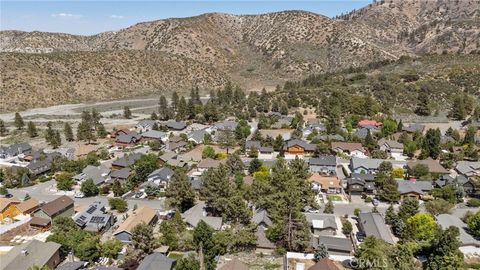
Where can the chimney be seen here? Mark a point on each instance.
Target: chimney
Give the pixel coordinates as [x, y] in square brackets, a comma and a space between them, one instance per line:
[24, 252]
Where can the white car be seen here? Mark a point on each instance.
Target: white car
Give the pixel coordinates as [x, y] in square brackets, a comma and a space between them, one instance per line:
[79, 195]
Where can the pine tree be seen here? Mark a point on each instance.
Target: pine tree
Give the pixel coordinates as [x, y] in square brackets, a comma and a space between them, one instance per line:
[32, 129]
[127, 114]
[85, 132]
[3, 128]
[180, 193]
[50, 134]
[163, 110]
[101, 132]
[329, 208]
[57, 140]
[423, 108]
[19, 124]
[67, 131]
[154, 116]
[175, 99]
[321, 252]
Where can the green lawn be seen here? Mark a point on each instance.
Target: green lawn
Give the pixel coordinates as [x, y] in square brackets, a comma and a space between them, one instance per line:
[175, 255]
[334, 198]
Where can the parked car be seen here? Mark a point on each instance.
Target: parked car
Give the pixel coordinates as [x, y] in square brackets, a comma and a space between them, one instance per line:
[79, 195]
[375, 202]
[138, 195]
[360, 236]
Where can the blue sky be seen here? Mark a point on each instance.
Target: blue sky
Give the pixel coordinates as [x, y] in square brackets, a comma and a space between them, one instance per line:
[90, 17]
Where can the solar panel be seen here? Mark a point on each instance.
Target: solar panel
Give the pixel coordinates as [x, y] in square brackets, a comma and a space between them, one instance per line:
[97, 219]
[92, 209]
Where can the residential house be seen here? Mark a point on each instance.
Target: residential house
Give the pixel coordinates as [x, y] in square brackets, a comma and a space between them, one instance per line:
[234, 264]
[369, 123]
[325, 264]
[145, 125]
[9, 208]
[326, 184]
[161, 177]
[128, 139]
[371, 165]
[145, 215]
[29, 206]
[360, 183]
[322, 224]
[468, 168]
[157, 261]
[468, 184]
[393, 148]
[176, 144]
[296, 147]
[283, 122]
[373, 224]
[125, 161]
[413, 188]
[225, 125]
[434, 166]
[14, 150]
[176, 126]
[120, 175]
[206, 164]
[155, 135]
[323, 165]
[197, 136]
[198, 212]
[42, 164]
[336, 246]
[32, 253]
[468, 244]
[351, 149]
[68, 153]
[362, 133]
[61, 206]
[330, 138]
[95, 218]
[262, 220]
[265, 152]
[98, 174]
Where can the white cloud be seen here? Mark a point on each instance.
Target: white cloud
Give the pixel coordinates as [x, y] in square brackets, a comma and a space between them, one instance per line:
[66, 15]
[116, 17]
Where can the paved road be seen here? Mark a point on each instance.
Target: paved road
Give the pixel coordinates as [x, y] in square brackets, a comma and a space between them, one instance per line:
[43, 192]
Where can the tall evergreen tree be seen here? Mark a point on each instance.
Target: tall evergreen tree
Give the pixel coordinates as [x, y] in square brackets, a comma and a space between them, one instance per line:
[175, 100]
[431, 144]
[127, 113]
[3, 128]
[67, 131]
[180, 193]
[19, 124]
[163, 110]
[32, 129]
[423, 107]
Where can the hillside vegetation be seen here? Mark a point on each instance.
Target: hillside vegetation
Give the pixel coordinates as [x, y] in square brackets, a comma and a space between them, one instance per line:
[253, 51]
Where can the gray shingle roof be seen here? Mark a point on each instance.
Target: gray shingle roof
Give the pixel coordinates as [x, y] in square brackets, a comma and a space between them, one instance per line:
[227, 124]
[373, 164]
[321, 221]
[123, 173]
[197, 135]
[72, 266]
[157, 261]
[193, 215]
[468, 168]
[250, 144]
[374, 225]
[447, 220]
[323, 161]
[333, 243]
[127, 160]
[406, 186]
[14, 149]
[162, 174]
[261, 216]
[38, 253]
[176, 125]
[154, 134]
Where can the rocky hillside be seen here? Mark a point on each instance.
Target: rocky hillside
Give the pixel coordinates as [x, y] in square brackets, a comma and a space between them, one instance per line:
[254, 51]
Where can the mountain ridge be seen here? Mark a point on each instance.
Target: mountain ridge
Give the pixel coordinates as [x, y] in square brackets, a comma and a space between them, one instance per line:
[254, 51]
